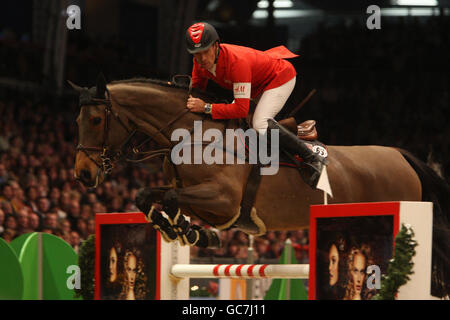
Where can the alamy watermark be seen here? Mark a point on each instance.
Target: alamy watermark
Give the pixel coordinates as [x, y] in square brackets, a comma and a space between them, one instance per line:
[374, 280]
[74, 17]
[74, 280]
[221, 150]
[374, 20]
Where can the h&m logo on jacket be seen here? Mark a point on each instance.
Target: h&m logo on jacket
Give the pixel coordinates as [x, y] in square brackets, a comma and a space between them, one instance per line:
[242, 90]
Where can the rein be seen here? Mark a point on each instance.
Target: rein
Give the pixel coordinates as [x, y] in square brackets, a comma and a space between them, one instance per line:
[109, 157]
[166, 151]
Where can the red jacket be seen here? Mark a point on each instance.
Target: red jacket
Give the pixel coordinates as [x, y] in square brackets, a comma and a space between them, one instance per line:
[246, 71]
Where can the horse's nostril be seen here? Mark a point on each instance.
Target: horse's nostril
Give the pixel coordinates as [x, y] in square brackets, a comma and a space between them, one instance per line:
[85, 175]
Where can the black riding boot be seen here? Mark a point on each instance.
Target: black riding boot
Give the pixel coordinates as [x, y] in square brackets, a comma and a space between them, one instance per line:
[293, 145]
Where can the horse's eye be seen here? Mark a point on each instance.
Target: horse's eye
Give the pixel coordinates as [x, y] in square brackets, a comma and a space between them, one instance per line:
[96, 120]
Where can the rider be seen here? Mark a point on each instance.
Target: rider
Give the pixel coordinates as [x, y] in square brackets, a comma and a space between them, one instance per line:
[264, 76]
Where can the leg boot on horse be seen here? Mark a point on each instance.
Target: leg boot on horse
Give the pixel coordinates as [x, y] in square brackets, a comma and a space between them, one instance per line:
[145, 199]
[176, 227]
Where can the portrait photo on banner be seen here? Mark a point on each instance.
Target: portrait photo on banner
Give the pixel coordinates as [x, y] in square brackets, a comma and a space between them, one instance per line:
[351, 255]
[128, 262]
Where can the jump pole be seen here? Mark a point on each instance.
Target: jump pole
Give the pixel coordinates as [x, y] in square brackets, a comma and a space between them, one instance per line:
[175, 271]
[241, 271]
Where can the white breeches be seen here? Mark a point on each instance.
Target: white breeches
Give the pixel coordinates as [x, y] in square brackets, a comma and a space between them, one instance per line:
[270, 103]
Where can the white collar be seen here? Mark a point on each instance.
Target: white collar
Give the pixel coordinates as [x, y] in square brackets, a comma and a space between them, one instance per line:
[213, 69]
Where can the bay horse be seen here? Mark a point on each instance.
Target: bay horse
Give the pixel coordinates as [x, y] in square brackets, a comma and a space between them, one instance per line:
[112, 113]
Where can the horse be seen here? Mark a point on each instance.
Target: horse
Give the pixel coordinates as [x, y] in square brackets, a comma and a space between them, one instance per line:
[112, 113]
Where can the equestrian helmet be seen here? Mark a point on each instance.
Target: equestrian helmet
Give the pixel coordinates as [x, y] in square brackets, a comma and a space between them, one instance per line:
[200, 36]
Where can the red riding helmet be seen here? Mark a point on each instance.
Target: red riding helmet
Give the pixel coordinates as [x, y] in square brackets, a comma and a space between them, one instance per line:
[200, 36]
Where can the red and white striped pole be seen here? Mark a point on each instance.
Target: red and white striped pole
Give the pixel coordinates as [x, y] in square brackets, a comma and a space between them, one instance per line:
[241, 271]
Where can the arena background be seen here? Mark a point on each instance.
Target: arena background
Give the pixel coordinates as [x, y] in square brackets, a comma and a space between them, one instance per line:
[387, 86]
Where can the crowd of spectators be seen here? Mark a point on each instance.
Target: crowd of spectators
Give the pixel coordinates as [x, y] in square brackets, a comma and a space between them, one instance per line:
[38, 191]
[374, 87]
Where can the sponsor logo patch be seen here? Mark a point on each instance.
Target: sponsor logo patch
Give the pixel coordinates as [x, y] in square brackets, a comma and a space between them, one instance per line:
[242, 90]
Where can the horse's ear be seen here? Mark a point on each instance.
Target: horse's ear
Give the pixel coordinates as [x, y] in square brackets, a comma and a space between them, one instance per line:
[73, 85]
[101, 86]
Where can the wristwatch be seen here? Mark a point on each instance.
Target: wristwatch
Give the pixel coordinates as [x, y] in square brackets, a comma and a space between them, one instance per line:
[208, 108]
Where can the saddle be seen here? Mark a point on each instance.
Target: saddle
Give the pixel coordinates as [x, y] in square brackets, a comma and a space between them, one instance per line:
[247, 219]
[305, 130]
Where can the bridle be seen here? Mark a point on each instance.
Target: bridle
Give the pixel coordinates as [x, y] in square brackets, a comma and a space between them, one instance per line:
[109, 156]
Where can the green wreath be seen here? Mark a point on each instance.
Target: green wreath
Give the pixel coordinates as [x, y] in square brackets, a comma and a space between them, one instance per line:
[400, 267]
[86, 262]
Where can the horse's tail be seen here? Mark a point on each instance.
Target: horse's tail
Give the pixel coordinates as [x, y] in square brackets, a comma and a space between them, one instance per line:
[436, 190]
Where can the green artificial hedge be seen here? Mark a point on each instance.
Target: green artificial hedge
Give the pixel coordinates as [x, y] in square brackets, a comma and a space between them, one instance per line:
[86, 262]
[400, 267]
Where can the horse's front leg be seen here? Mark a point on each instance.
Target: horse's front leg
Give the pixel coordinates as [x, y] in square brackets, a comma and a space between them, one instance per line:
[145, 200]
[176, 224]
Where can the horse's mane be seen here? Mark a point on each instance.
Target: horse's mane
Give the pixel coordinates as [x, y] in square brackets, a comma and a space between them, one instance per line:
[152, 81]
[210, 97]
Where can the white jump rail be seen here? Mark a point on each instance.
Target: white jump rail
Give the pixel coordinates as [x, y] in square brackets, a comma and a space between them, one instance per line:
[241, 271]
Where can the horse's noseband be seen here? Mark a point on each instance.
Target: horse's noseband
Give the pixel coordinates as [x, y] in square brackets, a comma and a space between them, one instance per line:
[108, 157]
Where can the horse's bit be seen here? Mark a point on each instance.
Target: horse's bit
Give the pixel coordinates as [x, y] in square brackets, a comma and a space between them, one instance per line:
[109, 157]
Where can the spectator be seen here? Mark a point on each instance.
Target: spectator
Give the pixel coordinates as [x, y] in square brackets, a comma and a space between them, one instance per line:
[91, 198]
[34, 221]
[241, 238]
[6, 207]
[75, 241]
[2, 220]
[22, 222]
[74, 212]
[47, 230]
[65, 226]
[3, 174]
[55, 194]
[276, 248]
[64, 201]
[32, 197]
[81, 228]
[61, 214]
[9, 235]
[18, 198]
[86, 211]
[43, 205]
[233, 249]
[98, 208]
[262, 248]
[10, 222]
[7, 193]
[115, 204]
[51, 220]
[91, 226]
